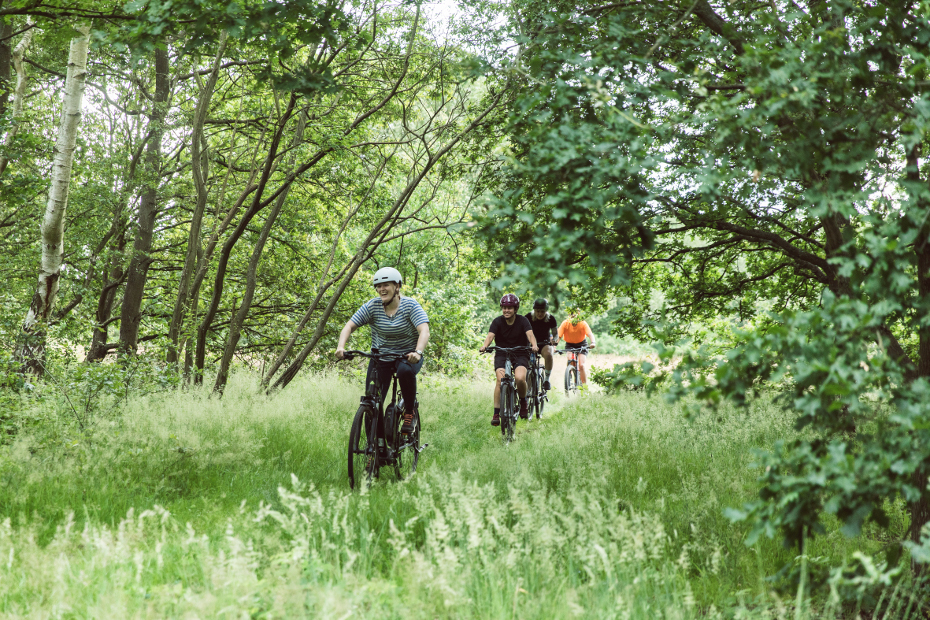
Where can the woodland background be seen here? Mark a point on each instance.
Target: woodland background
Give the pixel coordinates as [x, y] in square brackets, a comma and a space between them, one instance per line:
[191, 189]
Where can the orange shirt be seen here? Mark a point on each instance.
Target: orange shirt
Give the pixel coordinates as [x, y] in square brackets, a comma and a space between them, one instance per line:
[573, 333]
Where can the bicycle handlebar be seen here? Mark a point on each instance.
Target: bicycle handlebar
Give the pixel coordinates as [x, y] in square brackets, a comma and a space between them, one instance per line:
[573, 350]
[508, 349]
[388, 356]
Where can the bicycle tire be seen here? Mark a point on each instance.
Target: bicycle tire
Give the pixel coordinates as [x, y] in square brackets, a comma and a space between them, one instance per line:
[540, 396]
[532, 390]
[508, 414]
[571, 378]
[363, 458]
[406, 448]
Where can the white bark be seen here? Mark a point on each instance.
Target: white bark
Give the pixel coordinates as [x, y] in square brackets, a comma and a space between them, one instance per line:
[18, 93]
[33, 345]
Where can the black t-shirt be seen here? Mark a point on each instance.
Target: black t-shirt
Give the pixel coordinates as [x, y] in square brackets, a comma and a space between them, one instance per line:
[511, 335]
[542, 329]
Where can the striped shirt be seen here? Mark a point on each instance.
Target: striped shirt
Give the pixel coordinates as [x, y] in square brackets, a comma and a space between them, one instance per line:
[392, 333]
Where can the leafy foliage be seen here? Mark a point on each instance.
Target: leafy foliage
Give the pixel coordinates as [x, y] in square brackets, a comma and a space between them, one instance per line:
[635, 376]
[276, 30]
[761, 162]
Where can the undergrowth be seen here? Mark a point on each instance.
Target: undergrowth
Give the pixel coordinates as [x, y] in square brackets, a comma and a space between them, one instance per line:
[176, 503]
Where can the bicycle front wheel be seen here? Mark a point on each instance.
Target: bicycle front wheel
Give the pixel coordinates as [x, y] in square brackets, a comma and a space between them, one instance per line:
[533, 386]
[363, 456]
[508, 411]
[406, 447]
[540, 396]
[571, 379]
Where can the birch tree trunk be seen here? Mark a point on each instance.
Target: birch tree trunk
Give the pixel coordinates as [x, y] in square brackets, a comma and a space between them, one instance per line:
[31, 349]
[6, 33]
[137, 273]
[18, 92]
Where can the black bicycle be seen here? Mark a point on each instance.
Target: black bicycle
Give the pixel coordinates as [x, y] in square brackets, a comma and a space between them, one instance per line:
[535, 394]
[375, 440]
[571, 367]
[510, 403]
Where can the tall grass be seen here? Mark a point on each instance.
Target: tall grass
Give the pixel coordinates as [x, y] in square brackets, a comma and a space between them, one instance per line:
[182, 505]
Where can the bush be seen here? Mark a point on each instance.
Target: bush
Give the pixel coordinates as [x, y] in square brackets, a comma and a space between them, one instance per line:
[632, 376]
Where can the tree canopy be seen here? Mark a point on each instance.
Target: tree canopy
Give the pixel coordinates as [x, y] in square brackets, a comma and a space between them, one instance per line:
[763, 161]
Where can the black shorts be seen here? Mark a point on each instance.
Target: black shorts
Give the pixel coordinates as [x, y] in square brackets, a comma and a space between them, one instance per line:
[517, 359]
[576, 346]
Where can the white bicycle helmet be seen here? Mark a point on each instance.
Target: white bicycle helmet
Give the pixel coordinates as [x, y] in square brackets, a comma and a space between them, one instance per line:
[387, 274]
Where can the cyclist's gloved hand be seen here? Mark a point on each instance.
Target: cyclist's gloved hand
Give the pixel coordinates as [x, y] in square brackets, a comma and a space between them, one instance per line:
[340, 354]
[482, 349]
[535, 349]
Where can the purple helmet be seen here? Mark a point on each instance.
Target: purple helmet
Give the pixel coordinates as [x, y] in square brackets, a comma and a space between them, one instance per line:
[510, 300]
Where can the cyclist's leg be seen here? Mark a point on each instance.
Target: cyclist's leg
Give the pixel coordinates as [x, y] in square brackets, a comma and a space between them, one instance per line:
[582, 368]
[407, 379]
[519, 373]
[497, 388]
[384, 377]
[496, 418]
[546, 353]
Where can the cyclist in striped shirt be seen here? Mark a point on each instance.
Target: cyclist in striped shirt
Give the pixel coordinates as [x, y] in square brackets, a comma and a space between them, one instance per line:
[398, 324]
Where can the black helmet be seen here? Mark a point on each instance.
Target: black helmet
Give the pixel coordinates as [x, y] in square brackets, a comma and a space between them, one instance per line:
[541, 304]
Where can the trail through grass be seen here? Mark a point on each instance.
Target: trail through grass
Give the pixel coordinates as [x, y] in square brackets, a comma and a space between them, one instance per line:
[182, 505]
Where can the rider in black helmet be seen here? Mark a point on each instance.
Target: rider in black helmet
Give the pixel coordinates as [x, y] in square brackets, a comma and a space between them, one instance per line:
[546, 330]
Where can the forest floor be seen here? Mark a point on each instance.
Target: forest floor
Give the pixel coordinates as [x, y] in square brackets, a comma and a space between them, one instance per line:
[178, 504]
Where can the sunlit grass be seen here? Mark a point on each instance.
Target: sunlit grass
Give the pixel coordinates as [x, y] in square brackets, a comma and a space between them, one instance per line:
[181, 504]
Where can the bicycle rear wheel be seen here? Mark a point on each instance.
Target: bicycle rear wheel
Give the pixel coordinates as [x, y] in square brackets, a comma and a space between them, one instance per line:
[406, 447]
[363, 457]
[508, 413]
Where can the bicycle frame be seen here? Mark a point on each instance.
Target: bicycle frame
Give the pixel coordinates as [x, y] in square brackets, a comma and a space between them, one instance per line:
[536, 395]
[509, 410]
[573, 354]
[572, 366]
[380, 449]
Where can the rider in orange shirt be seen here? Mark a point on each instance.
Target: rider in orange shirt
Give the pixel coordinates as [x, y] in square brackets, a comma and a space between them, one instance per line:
[573, 331]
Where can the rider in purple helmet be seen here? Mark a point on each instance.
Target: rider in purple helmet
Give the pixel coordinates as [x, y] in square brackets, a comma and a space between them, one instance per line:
[510, 330]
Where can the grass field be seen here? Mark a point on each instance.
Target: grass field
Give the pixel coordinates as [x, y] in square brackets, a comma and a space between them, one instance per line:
[176, 504]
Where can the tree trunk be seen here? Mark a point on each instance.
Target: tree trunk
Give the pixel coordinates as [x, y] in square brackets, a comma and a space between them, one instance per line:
[235, 325]
[112, 279]
[920, 510]
[193, 240]
[31, 349]
[366, 248]
[18, 93]
[137, 273]
[256, 206]
[203, 262]
[6, 58]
